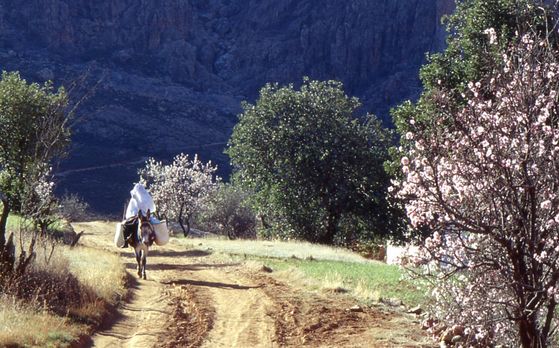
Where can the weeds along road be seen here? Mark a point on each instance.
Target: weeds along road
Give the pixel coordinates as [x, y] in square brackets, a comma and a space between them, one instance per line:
[192, 298]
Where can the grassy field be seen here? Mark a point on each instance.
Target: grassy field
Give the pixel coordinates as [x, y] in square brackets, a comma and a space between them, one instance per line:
[16, 222]
[97, 275]
[274, 249]
[319, 267]
[24, 324]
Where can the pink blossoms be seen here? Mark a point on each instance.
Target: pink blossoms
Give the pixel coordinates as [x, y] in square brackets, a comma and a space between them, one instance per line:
[483, 178]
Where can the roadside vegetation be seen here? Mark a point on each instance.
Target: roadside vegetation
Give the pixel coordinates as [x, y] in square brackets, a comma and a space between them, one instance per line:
[476, 172]
[50, 293]
[471, 178]
[319, 267]
[61, 300]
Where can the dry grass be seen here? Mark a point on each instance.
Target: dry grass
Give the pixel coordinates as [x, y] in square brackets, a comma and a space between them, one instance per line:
[274, 249]
[23, 325]
[60, 299]
[99, 270]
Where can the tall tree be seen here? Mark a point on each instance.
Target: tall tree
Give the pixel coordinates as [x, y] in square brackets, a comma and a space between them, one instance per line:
[484, 180]
[312, 164]
[469, 53]
[34, 130]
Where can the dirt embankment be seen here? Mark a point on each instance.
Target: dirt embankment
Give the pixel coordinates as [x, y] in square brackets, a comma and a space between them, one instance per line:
[190, 299]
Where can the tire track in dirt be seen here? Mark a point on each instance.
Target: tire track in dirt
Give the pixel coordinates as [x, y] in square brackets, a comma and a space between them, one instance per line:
[137, 322]
[192, 300]
[242, 309]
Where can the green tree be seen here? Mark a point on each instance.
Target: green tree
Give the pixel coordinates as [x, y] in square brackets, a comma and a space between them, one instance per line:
[312, 164]
[470, 55]
[34, 130]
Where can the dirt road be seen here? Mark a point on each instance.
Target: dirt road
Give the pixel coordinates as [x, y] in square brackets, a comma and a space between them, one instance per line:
[191, 299]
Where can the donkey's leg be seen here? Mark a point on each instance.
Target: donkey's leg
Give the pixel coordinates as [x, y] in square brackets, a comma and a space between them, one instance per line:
[144, 257]
[138, 251]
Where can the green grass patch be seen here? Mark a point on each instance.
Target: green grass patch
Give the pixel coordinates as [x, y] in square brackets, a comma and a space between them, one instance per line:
[17, 222]
[274, 249]
[370, 281]
[319, 267]
[59, 339]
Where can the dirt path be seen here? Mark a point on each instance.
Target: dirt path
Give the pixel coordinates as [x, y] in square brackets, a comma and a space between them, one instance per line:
[132, 328]
[241, 318]
[191, 299]
[236, 308]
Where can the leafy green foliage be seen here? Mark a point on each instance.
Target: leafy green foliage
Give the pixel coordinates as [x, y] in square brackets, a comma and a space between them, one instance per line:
[469, 55]
[314, 166]
[34, 130]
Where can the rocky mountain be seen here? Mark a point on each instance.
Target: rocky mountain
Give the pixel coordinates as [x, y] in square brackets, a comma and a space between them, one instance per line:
[155, 78]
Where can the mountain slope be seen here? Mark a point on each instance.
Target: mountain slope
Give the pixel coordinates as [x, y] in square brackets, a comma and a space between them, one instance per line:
[168, 76]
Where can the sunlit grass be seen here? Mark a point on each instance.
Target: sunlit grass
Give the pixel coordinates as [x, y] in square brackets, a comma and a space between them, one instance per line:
[16, 222]
[370, 282]
[319, 267]
[102, 277]
[274, 249]
[23, 325]
[100, 270]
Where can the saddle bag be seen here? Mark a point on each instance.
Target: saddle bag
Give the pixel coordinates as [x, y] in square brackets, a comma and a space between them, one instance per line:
[119, 235]
[161, 231]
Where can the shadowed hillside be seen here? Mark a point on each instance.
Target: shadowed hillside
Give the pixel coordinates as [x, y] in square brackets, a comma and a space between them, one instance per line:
[168, 76]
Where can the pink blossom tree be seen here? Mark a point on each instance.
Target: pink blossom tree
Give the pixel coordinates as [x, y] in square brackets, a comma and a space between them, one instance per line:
[483, 180]
[181, 188]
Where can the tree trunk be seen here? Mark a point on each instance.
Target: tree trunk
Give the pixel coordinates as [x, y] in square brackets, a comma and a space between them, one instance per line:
[529, 334]
[7, 257]
[7, 248]
[187, 222]
[331, 227]
[3, 223]
[182, 221]
[264, 222]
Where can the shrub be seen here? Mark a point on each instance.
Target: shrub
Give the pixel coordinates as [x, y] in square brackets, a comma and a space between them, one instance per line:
[227, 213]
[73, 208]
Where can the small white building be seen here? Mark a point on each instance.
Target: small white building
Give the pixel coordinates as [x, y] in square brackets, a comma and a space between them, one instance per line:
[395, 252]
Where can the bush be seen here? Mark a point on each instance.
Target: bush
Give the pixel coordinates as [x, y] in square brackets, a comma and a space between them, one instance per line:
[227, 213]
[73, 208]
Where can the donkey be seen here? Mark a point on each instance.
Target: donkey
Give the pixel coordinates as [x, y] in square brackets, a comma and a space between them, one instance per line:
[141, 241]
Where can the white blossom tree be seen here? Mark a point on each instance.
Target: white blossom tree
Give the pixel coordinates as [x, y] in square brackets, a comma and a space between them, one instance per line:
[181, 188]
[483, 180]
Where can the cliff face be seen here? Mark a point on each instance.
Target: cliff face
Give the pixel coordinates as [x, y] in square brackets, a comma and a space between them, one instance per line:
[167, 76]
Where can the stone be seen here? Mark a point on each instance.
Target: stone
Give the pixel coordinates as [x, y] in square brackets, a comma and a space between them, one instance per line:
[415, 310]
[394, 302]
[266, 269]
[355, 308]
[456, 339]
[458, 330]
[447, 336]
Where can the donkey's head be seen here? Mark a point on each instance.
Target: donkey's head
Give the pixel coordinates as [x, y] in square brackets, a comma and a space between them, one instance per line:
[146, 233]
